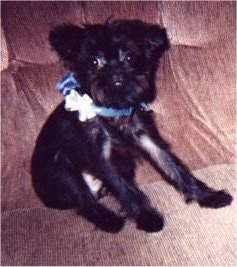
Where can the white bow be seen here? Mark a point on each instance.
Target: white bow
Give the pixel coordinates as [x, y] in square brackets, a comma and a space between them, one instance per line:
[84, 104]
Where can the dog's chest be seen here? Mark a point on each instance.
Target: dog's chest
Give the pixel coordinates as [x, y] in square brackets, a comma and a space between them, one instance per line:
[113, 138]
[111, 142]
[118, 141]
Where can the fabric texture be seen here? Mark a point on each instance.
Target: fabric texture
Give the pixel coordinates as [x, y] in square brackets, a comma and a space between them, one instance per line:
[195, 106]
[192, 235]
[195, 112]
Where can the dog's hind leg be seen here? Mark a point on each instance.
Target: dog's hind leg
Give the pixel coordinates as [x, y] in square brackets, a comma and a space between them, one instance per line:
[54, 180]
[60, 186]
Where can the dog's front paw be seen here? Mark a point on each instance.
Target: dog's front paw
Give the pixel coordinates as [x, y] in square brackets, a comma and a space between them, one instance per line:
[103, 218]
[108, 221]
[111, 224]
[216, 199]
[150, 221]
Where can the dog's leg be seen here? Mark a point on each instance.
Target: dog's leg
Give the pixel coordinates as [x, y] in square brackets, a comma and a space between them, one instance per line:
[96, 213]
[179, 175]
[132, 199]
[116, 169]
[62, 186]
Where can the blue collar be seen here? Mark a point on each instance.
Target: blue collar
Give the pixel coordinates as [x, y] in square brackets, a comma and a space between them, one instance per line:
[70, 82]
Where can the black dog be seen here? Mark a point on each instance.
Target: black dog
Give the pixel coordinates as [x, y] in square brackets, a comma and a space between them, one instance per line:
[113, 65]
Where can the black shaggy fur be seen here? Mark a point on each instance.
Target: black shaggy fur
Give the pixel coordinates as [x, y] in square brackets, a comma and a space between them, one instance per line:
[116, 64]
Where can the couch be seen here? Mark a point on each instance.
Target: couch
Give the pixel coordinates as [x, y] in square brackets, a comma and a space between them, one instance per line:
[195, 112]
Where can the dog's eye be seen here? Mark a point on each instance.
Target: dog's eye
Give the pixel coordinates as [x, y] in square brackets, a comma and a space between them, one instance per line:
[94, 62]
[129, 58]
[97, 62]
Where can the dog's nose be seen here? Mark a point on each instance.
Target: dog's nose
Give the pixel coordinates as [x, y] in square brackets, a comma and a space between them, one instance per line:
[117, 80]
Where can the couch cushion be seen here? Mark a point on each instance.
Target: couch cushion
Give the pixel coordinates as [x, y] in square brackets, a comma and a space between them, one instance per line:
[192, 235]
[195, 107]
[4, 53]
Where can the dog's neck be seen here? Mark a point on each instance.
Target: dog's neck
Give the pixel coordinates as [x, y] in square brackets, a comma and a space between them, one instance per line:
[84, 104]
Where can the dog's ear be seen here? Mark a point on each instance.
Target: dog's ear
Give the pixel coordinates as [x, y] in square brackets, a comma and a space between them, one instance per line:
[65, 40]
[157, 40]
[150, 36]
[157, 37]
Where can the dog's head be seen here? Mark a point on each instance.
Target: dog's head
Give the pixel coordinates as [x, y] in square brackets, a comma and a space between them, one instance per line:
[115, 62]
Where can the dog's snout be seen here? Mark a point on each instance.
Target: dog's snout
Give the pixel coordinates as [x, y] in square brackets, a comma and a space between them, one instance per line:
[117, 78]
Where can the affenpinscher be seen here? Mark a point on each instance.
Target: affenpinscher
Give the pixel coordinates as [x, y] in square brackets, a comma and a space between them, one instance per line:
[104, 125]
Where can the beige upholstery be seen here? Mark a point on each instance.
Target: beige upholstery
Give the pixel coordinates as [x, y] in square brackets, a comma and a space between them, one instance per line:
[195, 111]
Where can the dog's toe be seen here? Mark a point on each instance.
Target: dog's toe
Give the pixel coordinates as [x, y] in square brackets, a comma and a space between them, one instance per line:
[216, 199]
[150, 221]
[112, 224]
